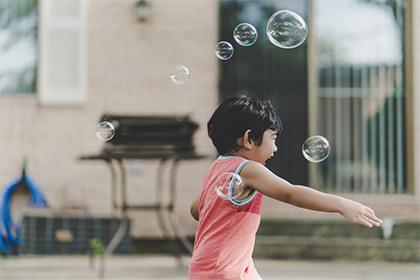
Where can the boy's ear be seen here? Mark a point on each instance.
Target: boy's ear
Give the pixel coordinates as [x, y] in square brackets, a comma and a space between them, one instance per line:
[247, 142]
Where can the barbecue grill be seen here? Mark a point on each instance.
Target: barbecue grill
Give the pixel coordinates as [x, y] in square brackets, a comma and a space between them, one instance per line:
[153, 136]
[166, 138]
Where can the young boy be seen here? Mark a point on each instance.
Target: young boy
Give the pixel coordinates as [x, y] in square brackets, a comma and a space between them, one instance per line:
[244, 131]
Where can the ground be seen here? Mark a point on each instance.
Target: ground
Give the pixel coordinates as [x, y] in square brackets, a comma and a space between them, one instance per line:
[167, 268]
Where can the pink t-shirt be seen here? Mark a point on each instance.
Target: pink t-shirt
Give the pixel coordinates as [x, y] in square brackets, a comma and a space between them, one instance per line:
[225, 235]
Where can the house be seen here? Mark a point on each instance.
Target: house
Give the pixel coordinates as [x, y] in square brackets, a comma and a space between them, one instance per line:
[352, 81]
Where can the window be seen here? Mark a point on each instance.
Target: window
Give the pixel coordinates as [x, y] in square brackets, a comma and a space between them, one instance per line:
[354, 92]
[18, 46]
[360, 94]
[58, 28]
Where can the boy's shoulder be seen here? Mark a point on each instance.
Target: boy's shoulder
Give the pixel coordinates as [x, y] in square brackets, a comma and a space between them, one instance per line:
[253, 168]
[237, 160]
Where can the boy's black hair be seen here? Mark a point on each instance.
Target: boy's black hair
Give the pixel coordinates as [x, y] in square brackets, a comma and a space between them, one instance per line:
[236, 115]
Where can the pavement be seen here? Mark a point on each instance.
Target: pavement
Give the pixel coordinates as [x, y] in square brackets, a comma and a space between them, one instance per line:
[159, 267]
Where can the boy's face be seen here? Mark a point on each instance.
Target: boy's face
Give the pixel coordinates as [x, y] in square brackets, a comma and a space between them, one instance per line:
[267, 148]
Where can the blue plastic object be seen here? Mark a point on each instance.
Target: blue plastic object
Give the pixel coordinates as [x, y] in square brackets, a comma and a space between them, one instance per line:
[9, 230]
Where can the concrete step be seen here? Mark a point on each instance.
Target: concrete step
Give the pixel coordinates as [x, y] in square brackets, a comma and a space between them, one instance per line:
[321, 248]
[391, 229]
[396, 240]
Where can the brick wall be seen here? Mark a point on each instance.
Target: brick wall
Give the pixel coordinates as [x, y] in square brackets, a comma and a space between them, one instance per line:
[129, 64]
[129, 67]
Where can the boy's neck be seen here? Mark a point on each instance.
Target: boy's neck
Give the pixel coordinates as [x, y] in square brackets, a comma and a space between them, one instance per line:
[240, 153]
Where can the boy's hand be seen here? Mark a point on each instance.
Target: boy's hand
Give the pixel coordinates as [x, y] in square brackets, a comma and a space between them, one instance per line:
[359, 213]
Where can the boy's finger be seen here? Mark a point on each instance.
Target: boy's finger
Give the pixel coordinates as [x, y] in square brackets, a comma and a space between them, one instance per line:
[370, 210]
[373, 222]
[365, 222]
[371, 219]
[374, 218]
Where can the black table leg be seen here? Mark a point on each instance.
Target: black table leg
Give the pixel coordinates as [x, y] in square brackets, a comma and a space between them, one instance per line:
[116, 239]
[113, 187]
[159, 199]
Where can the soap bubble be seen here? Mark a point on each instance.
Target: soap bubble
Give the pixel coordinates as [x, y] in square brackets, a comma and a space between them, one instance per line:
[224, 50]
[230, 186]
[316, 148]
[286, 29]
[105, 131]
[245, 34]
[229, 180]
[180, 75]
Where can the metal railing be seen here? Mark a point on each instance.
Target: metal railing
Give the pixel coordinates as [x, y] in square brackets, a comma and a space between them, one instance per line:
[361, 110]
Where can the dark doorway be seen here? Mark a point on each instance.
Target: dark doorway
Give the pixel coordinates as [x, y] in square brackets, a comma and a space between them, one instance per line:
[266, 71]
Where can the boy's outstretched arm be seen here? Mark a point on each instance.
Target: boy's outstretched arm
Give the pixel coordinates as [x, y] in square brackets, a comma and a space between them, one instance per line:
[194, 209]
[263, 180]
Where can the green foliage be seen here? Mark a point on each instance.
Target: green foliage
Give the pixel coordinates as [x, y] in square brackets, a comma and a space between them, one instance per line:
[97, 247]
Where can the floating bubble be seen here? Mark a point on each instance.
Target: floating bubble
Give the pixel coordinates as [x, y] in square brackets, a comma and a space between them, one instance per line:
[316, 148]
[224, 50]
[245, 34]
[180, 75]
[230, 186]
[229, 180]
[286, 29]
[105, 131]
